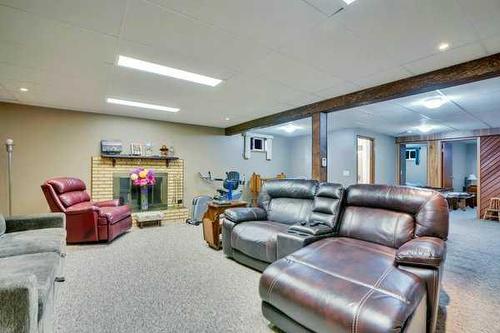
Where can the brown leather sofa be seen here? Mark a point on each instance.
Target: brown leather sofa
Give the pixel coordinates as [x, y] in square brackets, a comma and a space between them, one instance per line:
[86, 221]
[290, 215]
[380, 271]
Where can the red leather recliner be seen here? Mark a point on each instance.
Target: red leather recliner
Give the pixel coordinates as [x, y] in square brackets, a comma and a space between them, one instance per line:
[86, 221]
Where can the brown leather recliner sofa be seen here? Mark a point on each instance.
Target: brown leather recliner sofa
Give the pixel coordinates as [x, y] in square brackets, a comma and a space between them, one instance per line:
[380, 271]
[86, 220]
[290, 215]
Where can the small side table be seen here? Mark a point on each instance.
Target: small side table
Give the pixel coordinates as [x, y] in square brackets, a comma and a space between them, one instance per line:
[211, 225]
[149, 218]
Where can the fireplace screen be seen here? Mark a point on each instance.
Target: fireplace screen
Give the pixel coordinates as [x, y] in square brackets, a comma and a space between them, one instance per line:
[130, 195]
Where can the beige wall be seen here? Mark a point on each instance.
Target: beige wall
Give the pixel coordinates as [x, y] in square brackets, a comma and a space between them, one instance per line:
[52, 142]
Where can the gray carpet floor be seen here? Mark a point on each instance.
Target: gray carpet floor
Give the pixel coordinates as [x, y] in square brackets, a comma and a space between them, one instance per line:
[167, 280]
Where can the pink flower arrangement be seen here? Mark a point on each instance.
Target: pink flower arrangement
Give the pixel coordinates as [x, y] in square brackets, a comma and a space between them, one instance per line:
[143, 177]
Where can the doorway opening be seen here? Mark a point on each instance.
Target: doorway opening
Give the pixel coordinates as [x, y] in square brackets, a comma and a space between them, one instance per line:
[366, 160]
[414, 165]
[460, 173]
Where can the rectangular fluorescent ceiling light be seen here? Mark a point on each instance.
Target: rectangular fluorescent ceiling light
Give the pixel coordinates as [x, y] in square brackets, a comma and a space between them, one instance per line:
[141, 105]
[166, 71]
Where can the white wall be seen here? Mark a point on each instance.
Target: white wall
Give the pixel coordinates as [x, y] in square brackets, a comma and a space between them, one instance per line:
[417, 174]
[342, 156]
[52, 143]
[300, 149]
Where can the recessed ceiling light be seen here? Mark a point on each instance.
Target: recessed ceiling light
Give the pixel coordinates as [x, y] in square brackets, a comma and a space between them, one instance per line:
[227, 118]
[348, 2]
[24, 89]
[425, 128]
[167, 71]
[141, 105]
[434, 102]
[443, 46]
[289, 128]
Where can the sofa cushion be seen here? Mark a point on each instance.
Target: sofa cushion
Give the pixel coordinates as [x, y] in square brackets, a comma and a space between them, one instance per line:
[33, 241]
[257, 239]
[72, 198]
[381, 226]
[289, 210]
[428, 208]
[66, 184]
[42, 265]
[111, 215]
[342, 285]
[2, 225]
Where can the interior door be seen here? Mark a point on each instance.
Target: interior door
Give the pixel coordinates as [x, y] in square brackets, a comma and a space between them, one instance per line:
[447, 174]
[402, 164]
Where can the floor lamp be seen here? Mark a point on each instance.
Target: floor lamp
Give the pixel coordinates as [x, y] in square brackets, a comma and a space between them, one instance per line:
[9, 145]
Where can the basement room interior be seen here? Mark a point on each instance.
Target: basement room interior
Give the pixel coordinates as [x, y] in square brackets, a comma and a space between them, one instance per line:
[249, 166]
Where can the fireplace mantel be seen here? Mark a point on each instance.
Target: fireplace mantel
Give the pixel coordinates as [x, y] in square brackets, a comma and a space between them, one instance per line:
[114, 158]
[103, 169]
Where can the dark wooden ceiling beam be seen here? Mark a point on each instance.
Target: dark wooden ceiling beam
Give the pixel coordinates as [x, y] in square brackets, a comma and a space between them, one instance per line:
[471, 71]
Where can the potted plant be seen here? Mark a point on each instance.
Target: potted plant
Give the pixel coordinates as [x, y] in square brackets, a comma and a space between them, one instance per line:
[143, 178]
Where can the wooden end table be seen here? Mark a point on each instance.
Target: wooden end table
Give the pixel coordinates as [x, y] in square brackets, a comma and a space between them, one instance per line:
[211, 224]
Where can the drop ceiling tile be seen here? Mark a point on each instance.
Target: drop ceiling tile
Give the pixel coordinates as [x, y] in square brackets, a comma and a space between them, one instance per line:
[164, 30]
[269, 22]
[340, 89]
[95, 15]
[392, 112]
[391, 75]
[334, 49]
[53, 46]
[448, 58]
[464, 122]
[410, 29]
[5, 95]
[491, 118]
[492, 44]
[484, 15]
[293, 73]
[327, 7]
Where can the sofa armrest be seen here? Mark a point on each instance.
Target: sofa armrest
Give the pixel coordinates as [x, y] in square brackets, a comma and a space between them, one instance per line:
[87, 210]
[422, 251]
[307, 229]
[39, 221]
[108, 203]
[19, 305]
[238, 215]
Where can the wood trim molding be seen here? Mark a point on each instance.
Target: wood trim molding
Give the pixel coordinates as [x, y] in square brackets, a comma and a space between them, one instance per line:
[319, 146]
[471, 71]
[454, 135]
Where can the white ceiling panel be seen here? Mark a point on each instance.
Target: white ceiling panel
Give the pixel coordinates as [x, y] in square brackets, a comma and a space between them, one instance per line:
[336, 50]
[410, 29]
[444, 59]
[273, 55]
[96, 15]
[327, 7]
[278, 67]
[269, 22]
[484, 15]
[390, 75]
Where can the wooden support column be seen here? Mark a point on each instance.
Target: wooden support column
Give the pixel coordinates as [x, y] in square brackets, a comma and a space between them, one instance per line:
[319, 146]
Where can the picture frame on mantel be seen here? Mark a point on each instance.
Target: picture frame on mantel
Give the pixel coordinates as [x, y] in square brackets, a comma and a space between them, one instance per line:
[136, 149]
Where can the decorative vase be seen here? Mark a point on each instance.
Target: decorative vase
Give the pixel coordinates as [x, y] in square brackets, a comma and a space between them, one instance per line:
[144, 198]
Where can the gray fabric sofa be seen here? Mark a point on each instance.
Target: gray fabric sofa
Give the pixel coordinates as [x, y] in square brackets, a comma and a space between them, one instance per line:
[32, 251]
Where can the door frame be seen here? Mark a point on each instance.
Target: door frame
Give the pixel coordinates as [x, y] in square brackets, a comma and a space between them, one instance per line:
[372, 159]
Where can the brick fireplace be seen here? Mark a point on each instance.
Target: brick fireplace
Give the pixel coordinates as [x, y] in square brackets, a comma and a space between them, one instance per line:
[107, 173]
